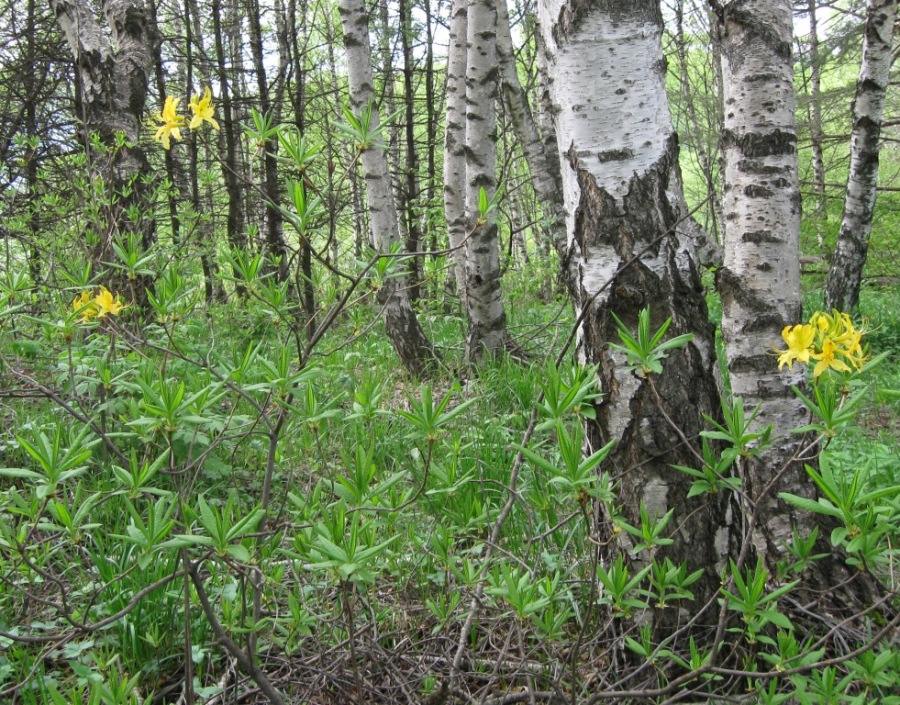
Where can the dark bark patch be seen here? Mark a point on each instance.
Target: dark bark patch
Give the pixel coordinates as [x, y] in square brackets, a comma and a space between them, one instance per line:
[762, 78]
[615, 155]
[755, 145]
[573, 14]
[757, 191]
[759, 236]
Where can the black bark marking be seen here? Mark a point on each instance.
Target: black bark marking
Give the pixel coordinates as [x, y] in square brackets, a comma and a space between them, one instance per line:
[757, 191]
[754, 145]
[615, 155]
[759, 236]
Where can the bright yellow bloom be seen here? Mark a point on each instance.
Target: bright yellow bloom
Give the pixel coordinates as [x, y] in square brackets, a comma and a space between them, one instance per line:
[172, 123]
[84, 304]
[203, 110]
[105, 303]
[853, 351]
[829, 338]
[826, 359]
[799, 341]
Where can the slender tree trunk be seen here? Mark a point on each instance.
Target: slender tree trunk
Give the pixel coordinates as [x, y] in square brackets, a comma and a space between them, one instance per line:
[845, 276]
[298, 99]
[174, 172]
[274, 220]
[543, 166]
[455, 146]
[31, 130]
[815, 121]
[546, 123]
[400, 322]
[410, 188]
[388, 103]
[487, 317]
[231, 171]
[431, 131]
[625, 252]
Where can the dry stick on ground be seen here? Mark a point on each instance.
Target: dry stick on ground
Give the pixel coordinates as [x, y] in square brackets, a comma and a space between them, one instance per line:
[244, 661]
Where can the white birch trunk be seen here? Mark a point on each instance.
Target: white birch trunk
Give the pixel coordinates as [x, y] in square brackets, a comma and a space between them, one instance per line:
[760, 279]
[487, 318]
[845, 276]
[455, 145]
[400, 320]
[760, 287]
[623, 197]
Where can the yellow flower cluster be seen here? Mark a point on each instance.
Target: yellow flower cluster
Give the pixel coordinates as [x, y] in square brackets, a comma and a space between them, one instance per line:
[97, 306]
[203, 109]
[830, 339]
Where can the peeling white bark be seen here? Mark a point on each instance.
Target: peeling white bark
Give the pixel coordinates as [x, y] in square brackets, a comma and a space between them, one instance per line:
[612, 116]
[112, 65]
[760, 279]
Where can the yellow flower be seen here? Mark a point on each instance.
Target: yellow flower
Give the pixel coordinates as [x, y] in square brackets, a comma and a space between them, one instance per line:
[203, 110]
[105, 303]
[84, 304]
[852, 349]
[799, 339]
[826, 359]
[172, 123]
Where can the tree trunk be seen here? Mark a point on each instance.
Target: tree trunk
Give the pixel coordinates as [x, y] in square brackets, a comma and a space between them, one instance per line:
[432, 113]
[174, 172]
[455, 145]
[229, 157]
[815, 121]
[274, 220]
[113, 66]
[543, 165]
[410, 185]
[487, 317]
[760, 280]
[400, 322]
[624, 203]
[845, 276]
[298, 99]
[32, 182]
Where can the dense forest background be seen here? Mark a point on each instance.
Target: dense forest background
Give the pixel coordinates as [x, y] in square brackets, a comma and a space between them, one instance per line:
[313, 391]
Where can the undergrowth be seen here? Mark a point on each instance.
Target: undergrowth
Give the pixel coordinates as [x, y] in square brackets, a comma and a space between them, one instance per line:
[191, 497]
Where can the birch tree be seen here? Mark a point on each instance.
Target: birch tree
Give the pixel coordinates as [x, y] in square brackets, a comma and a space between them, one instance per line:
[845, 275]
[113, 64]
[759, 281]
[401, 324]
[626, 251]
[542, 164]
[455, 144]
[487, 317]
